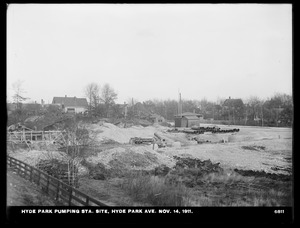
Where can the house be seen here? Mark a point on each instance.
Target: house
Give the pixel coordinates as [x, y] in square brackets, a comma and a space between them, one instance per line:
[233, 109]
[71, 104]
[154, 118]
[188, 119]
[228, 103]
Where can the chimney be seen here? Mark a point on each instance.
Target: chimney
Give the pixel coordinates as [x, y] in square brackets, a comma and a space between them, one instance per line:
[179, 106]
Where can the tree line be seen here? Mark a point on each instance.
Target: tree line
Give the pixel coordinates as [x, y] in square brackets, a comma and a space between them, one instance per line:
[274, 111]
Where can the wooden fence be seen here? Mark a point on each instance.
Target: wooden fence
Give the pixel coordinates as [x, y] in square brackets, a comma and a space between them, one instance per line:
[55, 188]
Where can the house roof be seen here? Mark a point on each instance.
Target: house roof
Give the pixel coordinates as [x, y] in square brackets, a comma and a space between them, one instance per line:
[70, 101]
[154, 115]
[231, 102]
[191, 117]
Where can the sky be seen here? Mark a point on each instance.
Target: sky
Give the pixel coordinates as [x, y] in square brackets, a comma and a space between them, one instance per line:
[150, 51]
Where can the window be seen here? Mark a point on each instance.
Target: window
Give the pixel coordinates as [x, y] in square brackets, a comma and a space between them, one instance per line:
[71, 110]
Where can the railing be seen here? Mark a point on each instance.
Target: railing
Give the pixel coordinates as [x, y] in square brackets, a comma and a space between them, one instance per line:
[52, 186]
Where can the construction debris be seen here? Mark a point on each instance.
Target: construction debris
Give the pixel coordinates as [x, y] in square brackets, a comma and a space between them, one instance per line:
[161, 170]
[18, 127]
[263, 174]
[202, 130]
[138, 140]
[205, 166]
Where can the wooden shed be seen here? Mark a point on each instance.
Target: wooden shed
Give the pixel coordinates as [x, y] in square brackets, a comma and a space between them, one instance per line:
[188, 119]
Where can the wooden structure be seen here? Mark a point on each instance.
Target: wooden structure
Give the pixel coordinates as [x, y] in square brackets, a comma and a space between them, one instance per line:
[188, 119]
[29, 136]
[52, 186]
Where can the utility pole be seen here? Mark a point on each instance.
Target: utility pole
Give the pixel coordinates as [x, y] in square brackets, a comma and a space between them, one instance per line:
[277, 114]
[262, 116]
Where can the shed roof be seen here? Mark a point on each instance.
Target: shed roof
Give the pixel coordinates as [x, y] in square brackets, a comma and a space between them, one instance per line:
[70, 101]
[186, 114]
[191, 117]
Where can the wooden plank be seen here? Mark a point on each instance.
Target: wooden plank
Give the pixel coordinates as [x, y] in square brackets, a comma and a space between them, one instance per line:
[87, 201]
[57, 190]
[64, 198]
[65, 191]
[47, 188]
[31, 172]
[79, 200]
[39, 178]
[70, 196]
[98, 203]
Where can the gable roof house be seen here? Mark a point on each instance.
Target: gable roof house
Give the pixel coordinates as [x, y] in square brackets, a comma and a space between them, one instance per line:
[71, 104]
[155, 118]
[233, 109]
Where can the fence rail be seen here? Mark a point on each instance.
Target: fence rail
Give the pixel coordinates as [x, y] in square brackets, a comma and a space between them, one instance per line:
[52, 186]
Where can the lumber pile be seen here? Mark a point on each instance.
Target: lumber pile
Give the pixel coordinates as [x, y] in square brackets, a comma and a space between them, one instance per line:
[139, 140]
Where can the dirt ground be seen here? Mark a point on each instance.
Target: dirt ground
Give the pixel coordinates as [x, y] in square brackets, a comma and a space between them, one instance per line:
[254, 148]
[267, 150]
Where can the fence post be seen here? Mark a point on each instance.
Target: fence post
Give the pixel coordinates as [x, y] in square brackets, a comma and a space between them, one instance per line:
[39, 177]
[57, 191]
[47, 188]
[18, 166]
[70, 195]
[87, 201]
[31, 170]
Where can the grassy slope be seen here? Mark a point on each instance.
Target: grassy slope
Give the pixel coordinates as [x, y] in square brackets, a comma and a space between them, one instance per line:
[21, 192]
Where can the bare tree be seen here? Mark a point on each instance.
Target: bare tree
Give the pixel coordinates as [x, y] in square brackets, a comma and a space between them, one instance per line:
[92, 91]
[255, 107]
[132, 101]
[108, 96]
[18, 96]
[76, 140]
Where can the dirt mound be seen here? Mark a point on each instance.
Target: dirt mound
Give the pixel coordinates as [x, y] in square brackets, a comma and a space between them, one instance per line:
[134, 158]
[108, 131]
